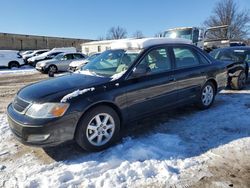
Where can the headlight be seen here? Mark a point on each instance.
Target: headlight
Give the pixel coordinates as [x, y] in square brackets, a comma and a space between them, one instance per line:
[47, 110]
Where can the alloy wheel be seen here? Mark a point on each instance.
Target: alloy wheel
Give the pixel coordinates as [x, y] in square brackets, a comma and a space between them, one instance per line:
[242, 80]
[52, 69]
[207, 95]
[100, 129]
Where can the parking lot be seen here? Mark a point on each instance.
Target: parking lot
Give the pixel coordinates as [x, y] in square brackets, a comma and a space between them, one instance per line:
[180, 148]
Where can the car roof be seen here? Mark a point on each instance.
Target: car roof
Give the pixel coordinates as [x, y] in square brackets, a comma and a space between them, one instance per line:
[146, 42]
[65, 53]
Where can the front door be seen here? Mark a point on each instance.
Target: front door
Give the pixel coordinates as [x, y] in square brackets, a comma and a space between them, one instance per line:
[154, 89]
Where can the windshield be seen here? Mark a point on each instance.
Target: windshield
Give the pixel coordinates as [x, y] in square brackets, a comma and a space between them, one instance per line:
[90, 58]
[216, 33]
[185, 34]
[111, 62]
[59, 56]
[236, 55]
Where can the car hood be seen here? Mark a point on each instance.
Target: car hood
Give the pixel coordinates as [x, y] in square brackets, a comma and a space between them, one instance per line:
[52, 90]
[42, 56]
[41, 63]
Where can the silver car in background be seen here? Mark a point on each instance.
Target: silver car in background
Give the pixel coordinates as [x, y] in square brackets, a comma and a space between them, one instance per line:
[77, 64]
[59, 63]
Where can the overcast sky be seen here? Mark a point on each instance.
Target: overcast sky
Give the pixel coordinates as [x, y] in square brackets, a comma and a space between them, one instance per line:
[93, 18]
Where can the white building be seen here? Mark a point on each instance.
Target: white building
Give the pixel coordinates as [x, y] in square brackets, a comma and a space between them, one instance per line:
[97, 46]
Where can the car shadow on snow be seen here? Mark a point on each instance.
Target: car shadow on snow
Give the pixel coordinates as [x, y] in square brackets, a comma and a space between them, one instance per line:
[177, 133]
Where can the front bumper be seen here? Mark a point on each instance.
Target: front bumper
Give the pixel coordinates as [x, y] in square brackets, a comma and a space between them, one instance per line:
[72, 68]
[43, 133]
[41, 69]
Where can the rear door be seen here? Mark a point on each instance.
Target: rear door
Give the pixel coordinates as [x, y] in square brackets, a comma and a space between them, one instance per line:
[190, 71]
[153, 90]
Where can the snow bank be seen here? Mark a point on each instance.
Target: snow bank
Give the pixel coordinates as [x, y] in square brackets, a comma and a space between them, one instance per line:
[118, 75]
[145, 42]
[87, 72]
[158, 157]
[76, 93]
[22, 70]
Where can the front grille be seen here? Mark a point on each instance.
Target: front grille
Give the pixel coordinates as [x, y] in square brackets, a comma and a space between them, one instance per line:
[19, 104]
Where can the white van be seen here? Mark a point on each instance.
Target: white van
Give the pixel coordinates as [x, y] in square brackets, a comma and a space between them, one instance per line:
[10, 59]
[50, 54]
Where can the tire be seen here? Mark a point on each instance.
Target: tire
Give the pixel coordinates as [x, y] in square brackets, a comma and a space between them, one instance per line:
[238, 82]
[206, 96]
[52, 68]
[93, 133]
[33, 64]
[13, 64]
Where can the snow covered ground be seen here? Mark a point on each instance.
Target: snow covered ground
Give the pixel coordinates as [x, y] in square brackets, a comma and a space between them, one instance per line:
[21, 70]
[173, 149]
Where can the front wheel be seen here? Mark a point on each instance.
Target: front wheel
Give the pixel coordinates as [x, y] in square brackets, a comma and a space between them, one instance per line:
[206, 96]
[13, 64]
[238, 82]
[52, 68]
[98, 129]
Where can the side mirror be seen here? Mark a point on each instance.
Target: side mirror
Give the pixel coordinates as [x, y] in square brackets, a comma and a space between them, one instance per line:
[141, 70]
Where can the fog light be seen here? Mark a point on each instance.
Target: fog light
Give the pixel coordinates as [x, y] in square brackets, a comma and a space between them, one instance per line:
[38, 137]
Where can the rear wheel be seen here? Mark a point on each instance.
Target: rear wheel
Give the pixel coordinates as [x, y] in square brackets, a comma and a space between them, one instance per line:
[13, 64]
[238, 82]
[207, 95]
[98, 129]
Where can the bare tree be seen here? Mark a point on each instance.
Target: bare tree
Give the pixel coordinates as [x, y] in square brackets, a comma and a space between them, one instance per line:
[117, 33]
[227, 12]
[138, 35]
[101, 38]
[159, 34]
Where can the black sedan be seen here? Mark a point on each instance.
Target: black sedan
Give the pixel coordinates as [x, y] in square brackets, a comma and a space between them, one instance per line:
[239, 68]
[135, 79]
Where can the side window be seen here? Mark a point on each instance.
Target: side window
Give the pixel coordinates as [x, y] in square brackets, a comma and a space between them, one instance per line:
[78, 56]
[226, 55]
[54, 54]
[68, 57]
[203, 60]
[248, 58]
[185, 57]
[214, 54]
[156, 61]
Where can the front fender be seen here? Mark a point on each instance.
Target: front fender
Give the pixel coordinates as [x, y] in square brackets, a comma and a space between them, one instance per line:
[235, 69]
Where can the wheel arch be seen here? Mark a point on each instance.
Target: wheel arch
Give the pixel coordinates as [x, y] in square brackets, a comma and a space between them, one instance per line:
[102, 103]
[13, 61]
[47, 69]
[213, 81]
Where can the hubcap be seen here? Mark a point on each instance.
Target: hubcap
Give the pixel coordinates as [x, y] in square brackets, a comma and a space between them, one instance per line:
[207, 95]
[52, 69]
[100, 129]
